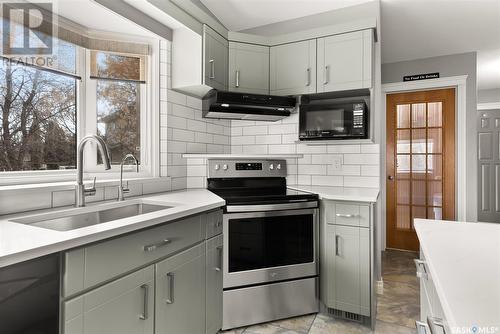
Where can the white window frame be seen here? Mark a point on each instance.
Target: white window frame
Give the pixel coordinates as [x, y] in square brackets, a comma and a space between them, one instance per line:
[149, 127]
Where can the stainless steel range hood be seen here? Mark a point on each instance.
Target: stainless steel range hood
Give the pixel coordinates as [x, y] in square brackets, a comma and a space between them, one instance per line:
[242, 106]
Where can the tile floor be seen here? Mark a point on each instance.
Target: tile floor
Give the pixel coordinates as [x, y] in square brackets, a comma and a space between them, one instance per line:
[397, 306]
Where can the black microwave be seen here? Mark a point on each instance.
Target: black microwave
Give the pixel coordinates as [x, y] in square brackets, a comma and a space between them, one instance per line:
[333, 121]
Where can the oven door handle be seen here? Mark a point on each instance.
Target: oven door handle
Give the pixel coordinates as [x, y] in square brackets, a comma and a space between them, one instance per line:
[272, 207]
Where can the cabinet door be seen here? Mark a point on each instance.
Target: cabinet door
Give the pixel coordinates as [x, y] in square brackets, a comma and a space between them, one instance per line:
[248, 68]
[345, 61]
[180, 293]
[293, 68]
[215, 49]
[214, 285]
[124, 306]
[347, 259]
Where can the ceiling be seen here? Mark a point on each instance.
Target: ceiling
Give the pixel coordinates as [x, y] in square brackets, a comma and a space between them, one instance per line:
[411, 29]
[239, 15]
[93, 16]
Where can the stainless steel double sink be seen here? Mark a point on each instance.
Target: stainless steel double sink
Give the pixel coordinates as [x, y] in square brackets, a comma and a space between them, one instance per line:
[78, 218]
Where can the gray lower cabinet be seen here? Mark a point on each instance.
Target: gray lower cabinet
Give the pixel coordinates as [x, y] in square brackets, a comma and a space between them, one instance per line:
[214, 284]
[180, 293]
[163, 280]
[346, 257]
[123, 306]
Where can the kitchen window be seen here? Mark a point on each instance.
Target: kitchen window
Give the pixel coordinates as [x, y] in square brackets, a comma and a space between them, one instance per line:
[45, 111]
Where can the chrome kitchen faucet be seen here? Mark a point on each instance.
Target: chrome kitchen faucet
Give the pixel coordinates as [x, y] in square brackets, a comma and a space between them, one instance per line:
[121, 189]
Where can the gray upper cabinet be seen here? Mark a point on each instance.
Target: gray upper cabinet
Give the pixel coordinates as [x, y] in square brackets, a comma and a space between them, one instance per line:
[124, 306]
[180, 293]
[215, 54]
[293, 68]
[214, 285]
[345, 61]
[248, 68]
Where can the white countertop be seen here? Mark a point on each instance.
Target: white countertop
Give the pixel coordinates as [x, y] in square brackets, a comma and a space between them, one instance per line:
[242, 156]
[464, 262]
[19, 242]
[340, 193]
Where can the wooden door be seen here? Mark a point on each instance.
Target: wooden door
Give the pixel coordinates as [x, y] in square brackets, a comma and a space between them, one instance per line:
[344, 61]
[293, 68]
[180, 293]
[248, 68]
[420, 161]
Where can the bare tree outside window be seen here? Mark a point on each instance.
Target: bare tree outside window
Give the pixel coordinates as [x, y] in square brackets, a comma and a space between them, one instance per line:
[118, 104]
[38, 119]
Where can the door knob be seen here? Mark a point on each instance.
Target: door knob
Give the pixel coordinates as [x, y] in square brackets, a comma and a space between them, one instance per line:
[390, 177]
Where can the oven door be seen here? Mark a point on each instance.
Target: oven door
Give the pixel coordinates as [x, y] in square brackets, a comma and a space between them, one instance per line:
[269, 246]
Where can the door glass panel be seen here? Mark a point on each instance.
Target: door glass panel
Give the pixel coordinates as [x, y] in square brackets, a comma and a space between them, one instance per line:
[434, 142]
[403, 217]
[435, 213]
[434, 167]
[418, 166]
[435, 114]
[418, 193]
[257, 243]
[418, 118]
[418, 139]
[403, 166]
[418, 212]
[403, 141]
[403, 188]
[435, 193]
[403, 116]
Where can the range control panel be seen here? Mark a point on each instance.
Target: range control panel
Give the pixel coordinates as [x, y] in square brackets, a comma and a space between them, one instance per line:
[246, 168]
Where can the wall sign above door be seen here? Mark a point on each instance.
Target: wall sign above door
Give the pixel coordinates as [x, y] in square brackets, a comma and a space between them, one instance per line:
[423, 76]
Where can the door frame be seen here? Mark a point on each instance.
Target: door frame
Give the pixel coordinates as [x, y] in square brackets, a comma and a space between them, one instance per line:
[460, 85]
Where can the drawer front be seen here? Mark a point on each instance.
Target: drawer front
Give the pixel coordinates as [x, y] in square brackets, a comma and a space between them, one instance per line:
[88, 266]
[214, 223]
[348, 214]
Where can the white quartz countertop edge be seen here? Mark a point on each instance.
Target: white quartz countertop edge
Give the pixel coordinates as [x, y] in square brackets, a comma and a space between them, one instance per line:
[20, 242]
[458, 256]
[354, 194]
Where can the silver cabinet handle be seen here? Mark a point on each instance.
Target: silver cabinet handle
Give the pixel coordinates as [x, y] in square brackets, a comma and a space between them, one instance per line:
[145, 313]
[219, 257]
[436, 322]
[344, 215]
[421, 264]
[337, 238]
[308, 80]
[237, 79]
[422, 327]
[212, 69]
[153, 247]
[170, 288]
[326, 75]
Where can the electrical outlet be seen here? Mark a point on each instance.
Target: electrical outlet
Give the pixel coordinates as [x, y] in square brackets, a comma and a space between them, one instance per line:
[337, 162]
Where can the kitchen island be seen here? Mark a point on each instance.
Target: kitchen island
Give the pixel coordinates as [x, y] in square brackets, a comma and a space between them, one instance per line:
[460, 276]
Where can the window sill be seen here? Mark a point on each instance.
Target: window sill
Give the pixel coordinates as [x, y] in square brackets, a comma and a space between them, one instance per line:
[70, 185]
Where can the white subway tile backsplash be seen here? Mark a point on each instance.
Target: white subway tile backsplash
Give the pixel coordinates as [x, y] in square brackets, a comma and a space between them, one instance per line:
[283, 129]
[194, 125]
[362, 181]
[255, 130]
[196, 148]
[361, 159]
[255, 149]
[199, 170]
[344, 148]
[370, 170]
[312, 169]
[176, 97]
[176, 122]
[202, 137]
[344, 170]
[183, 135]
[281, 149]
[303, 148]
[370, 148]
[193, 102]
[243, 140]
[330, 181]
[268, 139]
[304, 179]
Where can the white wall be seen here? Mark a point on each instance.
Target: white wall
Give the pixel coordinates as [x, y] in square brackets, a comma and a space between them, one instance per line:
[488, 95]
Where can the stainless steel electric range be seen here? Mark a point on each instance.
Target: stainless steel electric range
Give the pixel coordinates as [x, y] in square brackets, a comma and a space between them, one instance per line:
[270, 242]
